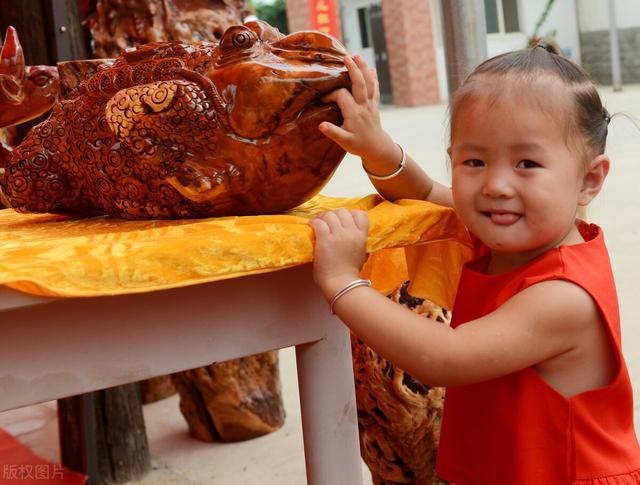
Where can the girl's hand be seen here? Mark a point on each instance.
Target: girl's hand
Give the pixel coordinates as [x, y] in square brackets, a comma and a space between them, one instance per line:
[341, 239]
[361, 132]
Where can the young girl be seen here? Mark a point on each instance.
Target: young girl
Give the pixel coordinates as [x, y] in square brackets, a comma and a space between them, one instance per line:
[538, 390]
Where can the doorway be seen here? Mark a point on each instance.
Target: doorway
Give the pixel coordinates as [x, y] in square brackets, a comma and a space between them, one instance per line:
[381, 54]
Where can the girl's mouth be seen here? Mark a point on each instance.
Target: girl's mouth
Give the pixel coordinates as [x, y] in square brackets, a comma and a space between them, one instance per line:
[502, 218]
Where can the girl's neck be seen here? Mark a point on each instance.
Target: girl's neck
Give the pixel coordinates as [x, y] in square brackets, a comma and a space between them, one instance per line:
[502, 262]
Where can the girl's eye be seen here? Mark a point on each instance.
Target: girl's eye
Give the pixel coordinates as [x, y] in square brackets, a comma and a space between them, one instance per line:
[474, 162]
[527, 164]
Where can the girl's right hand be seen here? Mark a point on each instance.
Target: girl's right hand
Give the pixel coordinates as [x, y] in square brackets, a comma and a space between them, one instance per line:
[340, 248]
[361, 132]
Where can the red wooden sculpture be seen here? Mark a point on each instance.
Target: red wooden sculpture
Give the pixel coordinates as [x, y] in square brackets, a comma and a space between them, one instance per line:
[25, 91]
[177, 130]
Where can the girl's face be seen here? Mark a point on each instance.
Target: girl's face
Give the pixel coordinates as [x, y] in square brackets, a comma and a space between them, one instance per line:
[516, 183]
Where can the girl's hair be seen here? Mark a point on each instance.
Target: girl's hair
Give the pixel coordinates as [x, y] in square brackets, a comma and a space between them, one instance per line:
[542, 62]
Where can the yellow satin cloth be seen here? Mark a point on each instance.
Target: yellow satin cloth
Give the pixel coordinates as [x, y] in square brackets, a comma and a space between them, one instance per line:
[53, 255]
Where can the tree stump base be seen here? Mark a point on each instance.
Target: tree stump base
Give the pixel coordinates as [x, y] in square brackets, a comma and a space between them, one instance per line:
[232, 401]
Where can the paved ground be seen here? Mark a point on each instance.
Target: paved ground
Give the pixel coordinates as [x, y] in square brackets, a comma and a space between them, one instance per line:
[278, 458]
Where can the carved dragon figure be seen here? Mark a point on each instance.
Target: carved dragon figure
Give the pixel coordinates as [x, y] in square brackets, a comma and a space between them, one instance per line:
[26, 92]
[176, 130]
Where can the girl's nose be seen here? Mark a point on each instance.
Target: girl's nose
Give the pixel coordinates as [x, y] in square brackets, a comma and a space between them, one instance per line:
[498, 184]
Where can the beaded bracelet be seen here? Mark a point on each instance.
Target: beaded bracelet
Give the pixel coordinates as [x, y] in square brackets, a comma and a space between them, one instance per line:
[345, 290]
[403, 162]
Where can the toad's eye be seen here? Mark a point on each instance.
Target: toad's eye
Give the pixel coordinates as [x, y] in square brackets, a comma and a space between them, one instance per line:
[527, 164]
[474, 162]
[237, 37]
[40, 79]
[243, 40]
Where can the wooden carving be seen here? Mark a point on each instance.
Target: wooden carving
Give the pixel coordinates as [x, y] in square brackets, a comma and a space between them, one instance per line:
[26, 92]
[177, 130]
[73, 73]
[232, 401]
[115, 25]
[398, 416]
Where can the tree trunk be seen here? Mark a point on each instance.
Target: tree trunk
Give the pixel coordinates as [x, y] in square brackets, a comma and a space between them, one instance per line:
[102, 434]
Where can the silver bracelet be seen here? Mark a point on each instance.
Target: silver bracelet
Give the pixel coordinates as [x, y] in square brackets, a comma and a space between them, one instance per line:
[403, 162]
[345, 290]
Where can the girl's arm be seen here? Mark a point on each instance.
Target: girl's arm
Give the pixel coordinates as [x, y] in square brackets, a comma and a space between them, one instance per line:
[542, 322]
[361, 133]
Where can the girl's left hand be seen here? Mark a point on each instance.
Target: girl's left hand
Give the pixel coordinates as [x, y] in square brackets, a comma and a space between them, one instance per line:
[361, 131]
[340, 248]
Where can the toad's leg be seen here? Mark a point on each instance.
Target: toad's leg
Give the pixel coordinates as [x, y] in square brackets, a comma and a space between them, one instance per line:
[173, 124]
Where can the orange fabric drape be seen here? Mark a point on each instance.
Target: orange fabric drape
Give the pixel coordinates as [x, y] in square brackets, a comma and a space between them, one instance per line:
[54, 255]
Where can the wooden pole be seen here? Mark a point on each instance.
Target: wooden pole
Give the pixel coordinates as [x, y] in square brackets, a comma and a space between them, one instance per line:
[465, 38]
[616, 76]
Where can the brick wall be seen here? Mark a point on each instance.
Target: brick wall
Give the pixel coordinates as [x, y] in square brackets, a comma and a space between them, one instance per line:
[410, 46]
[298, 15]
[412, 54]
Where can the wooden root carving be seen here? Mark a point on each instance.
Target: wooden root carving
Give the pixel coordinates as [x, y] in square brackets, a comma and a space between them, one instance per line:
[232, 401]
[398, 416]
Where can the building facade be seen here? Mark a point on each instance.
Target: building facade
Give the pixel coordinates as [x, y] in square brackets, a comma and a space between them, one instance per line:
[593, 18]
[402, 39]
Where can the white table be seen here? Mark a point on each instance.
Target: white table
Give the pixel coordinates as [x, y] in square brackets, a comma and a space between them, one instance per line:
[55, 348]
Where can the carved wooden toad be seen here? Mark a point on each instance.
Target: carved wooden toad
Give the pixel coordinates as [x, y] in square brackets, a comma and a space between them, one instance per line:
[177, 130]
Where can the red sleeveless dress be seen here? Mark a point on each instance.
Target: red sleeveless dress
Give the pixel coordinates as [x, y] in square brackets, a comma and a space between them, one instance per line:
[516, 429]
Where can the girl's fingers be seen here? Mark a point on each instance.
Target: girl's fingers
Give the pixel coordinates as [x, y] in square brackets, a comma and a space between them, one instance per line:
[320, 227]
[342, 97]
[341, 218]
[358, 84]
[335, 133]
[376, 90]
[345, 217]
[361, 218]
[366, 75]
[331, 220]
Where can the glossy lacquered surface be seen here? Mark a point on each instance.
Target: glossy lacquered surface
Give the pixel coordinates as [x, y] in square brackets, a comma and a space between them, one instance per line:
[178, 130]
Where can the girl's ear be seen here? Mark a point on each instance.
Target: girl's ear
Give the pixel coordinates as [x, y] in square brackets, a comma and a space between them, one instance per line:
[593, 179]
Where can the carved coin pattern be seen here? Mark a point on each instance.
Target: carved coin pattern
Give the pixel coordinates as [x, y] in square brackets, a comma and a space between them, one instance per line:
[86, 159]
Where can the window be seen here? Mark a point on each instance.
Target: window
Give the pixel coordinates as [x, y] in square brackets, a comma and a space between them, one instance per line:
[365, 27]
[502, 16]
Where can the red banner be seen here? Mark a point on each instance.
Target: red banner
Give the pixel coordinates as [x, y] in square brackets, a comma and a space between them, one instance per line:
[324, 17]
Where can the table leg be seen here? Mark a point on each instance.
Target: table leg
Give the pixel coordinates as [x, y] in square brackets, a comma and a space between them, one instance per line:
[328, 408]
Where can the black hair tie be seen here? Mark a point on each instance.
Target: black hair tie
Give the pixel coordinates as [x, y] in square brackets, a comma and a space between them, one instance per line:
[606, 115]
[547, 47]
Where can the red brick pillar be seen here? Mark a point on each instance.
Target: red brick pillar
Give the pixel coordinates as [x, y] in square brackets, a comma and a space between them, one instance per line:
[412, 55]
[299, 15]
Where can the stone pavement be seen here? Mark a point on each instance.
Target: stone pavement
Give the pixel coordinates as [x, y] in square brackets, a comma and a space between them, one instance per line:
[278, 458]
